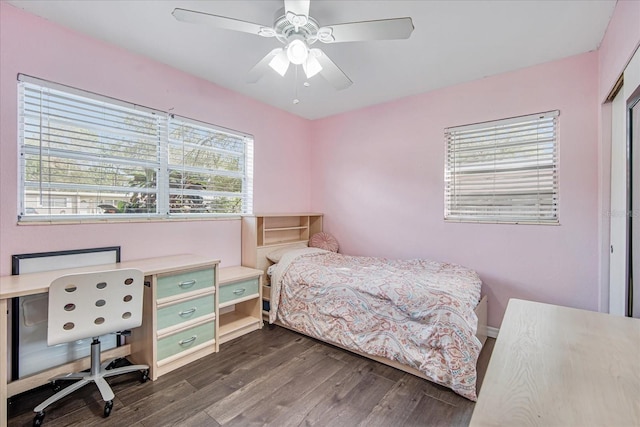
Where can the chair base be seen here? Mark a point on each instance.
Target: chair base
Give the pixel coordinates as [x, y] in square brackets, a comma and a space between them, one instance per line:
[97, 375]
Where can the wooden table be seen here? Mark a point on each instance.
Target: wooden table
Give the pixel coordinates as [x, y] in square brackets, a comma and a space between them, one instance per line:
[555, 365]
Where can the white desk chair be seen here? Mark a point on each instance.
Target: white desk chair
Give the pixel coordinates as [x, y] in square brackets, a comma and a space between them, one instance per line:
[88, 305]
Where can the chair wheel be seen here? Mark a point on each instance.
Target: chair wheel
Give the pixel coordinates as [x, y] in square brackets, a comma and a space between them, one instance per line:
[38, 419]
[145, 376]
[108, 405]
[55, 386]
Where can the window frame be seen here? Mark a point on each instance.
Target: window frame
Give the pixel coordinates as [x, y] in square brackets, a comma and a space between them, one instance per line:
[520, 186]
[162, 189]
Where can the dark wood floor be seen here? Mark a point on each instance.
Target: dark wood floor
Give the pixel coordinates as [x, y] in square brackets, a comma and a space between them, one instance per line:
[270, 377]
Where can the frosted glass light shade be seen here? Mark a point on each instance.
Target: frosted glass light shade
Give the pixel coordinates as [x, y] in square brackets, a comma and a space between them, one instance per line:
[311, 66]
[280, 63]
[297, 52]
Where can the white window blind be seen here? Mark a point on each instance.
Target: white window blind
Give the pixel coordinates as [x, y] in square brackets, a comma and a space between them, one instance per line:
[208, 169]
[83, 155]
[503, 171]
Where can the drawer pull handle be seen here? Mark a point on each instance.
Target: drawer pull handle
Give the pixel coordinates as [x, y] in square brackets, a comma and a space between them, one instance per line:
[187, 312]
[187, 284]
[239, 291]
[188, 340]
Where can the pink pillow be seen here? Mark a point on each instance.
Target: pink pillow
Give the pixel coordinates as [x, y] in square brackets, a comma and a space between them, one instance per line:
[324, 241]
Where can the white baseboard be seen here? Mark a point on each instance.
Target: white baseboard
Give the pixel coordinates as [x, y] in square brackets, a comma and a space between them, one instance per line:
[492, 332]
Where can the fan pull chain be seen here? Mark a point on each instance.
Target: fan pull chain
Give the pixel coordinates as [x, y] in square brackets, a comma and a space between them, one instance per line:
[295, 98]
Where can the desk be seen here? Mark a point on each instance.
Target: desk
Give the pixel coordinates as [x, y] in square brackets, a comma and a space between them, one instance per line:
[35, 283]
[555, 365]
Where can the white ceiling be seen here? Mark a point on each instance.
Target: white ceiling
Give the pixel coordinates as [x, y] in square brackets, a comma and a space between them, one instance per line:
[453, 42]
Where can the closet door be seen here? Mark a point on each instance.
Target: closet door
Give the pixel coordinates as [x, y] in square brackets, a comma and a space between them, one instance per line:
[624, 261]
[633, 290]
[632, 113]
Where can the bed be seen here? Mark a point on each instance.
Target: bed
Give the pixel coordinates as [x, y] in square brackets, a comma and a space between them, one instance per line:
[424, 317]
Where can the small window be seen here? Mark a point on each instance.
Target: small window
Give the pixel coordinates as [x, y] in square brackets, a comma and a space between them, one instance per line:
[504, 171]
[83, 155]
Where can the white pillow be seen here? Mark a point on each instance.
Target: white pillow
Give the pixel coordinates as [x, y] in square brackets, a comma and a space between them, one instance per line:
[276, 255]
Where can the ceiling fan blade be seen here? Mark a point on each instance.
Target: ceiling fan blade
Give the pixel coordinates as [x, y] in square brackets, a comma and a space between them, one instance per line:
[297, 7]
[262, 66]
[193, 17]
[384, 29]
[330, 71]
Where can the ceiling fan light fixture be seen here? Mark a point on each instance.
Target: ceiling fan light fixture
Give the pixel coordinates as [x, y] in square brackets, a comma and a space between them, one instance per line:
[280, 63]
[297, 31]
[311, 66]
[297, 52]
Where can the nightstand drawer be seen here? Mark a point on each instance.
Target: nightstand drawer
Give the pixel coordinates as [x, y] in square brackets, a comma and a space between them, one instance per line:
[232, 291]
[188, 281]
[186, 310]
[184, 340]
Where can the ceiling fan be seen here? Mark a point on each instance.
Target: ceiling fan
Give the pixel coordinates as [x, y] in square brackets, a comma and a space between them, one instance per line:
[298, 31]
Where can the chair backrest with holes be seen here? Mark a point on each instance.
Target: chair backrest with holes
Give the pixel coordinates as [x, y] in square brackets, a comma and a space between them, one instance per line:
[87, 305]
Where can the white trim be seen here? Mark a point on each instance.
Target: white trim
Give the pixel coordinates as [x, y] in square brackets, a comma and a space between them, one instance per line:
[492, 332]
[618, 226]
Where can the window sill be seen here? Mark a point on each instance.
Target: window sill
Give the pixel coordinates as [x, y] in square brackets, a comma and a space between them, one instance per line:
[115, 220]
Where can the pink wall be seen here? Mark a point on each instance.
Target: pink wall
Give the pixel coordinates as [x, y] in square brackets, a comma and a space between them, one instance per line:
[39, 48]
[378, 175]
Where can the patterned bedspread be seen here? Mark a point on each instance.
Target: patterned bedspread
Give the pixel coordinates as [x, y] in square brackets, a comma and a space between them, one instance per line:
[417, 312]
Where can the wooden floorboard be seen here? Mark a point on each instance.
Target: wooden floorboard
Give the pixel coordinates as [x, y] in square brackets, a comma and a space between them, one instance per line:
[362, 391]
[270, 377]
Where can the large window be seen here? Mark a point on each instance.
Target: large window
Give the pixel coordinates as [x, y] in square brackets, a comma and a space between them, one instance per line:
[503, 171]
[83, 155]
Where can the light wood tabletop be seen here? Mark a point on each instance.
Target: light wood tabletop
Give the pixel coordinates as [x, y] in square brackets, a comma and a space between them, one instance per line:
[561, 366]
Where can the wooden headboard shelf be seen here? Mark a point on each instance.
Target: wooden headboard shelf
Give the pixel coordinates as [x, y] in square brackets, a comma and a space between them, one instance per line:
[263, 233]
